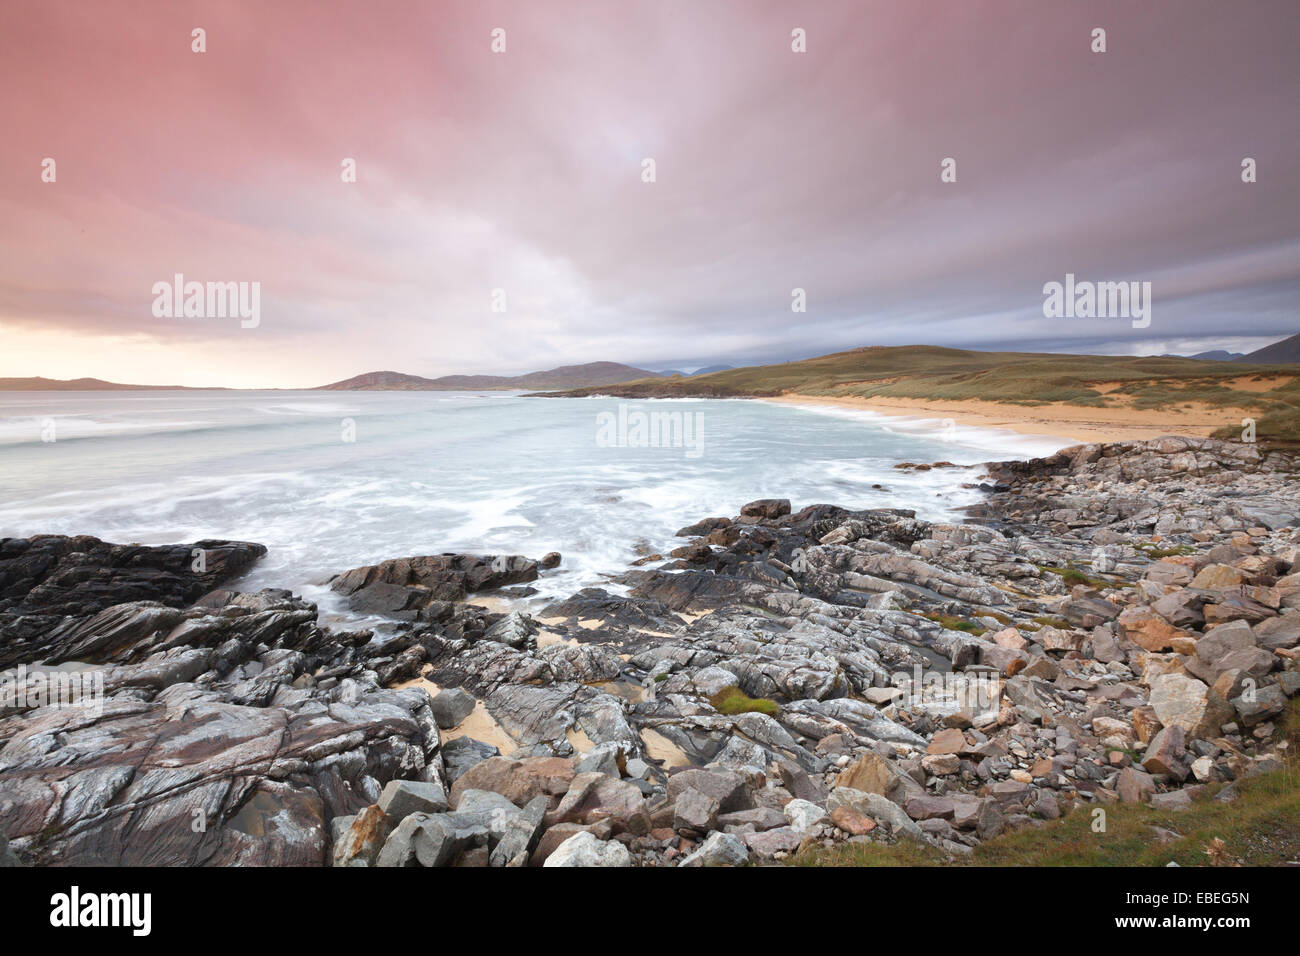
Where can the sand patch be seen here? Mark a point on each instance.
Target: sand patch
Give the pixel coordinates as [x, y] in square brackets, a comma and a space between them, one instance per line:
[495, 603]
[578, 740]
[1080, 423]
[480, 724]
[661, 748]
[550, 638]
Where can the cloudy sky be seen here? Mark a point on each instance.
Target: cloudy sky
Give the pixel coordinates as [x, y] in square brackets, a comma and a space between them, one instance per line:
[522, 171]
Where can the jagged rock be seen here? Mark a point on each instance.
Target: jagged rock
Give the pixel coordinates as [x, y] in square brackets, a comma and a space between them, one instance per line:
[429, 840]
[596, 796]
[583, 849]
[361, 837]
[720, 849]
[693, 810]
[1188, 703]
[519, 781]
[401, 798]
[124, 787]
[442, 577]
[450, 706]
[803, 815]
[1165, 753]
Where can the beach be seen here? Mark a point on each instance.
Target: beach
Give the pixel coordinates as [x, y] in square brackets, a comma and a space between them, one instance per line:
[1083, 423]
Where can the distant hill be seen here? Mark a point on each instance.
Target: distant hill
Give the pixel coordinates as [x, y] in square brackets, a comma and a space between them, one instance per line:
[591, 375]
[1218, 355]
[38, 384]
[1022, 378]
[711, 369]
[1279, 353]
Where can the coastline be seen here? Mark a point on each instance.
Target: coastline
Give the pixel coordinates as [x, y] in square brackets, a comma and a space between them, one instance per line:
[893, 654]
[1081, 423]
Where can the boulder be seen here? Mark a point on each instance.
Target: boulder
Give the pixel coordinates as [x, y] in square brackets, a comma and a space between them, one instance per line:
[584, 849]
[1188, 703]
[720, 849]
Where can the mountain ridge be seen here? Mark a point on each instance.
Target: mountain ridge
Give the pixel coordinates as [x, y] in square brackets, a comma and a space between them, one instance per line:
[588, 375]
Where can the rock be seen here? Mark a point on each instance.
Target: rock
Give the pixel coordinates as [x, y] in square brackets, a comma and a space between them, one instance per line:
[1190, 704]
[989, 820]
[132, 778]
[451, 706]
[443, 577]
[359, 841]
[1173, 800]
[872, 773]
[516, 629]
[1148, 629]
[430, 840]
[596, 796]
[519, 781]
[851, 821]
[549, 561]
[760, 818]
[693, 810]
[7, 857]
[873, 805]
[710, 681]
[720, 849]
[1165, 754]
[1146, 724]
[948, 741]
[461, 753]
[727, 788]
[766, 508]
[518, 834]
[928, 808]
[941, 765]
[1216, 576]
[583, 849]
[1134, 786]
[804, 815]
[401, 798]
[1259, 705]
[771, 842]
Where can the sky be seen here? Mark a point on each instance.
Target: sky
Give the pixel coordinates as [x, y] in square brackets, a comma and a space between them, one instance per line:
[500, 220]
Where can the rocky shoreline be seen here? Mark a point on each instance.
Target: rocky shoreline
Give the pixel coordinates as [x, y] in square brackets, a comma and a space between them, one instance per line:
[1112, 623]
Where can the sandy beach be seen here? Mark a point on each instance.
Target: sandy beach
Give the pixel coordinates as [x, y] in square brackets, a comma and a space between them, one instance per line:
[1078, 422]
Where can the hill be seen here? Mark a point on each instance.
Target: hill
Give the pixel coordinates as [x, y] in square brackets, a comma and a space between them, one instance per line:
[1271, 393]
[1279, 353]
[38, 384]
[592, 374]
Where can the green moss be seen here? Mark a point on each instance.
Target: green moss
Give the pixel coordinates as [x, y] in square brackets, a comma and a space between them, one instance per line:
[733, 700]
[955, 623]
[1151, 551]
[1073, 576]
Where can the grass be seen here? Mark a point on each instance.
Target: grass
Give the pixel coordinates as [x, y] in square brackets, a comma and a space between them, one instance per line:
[1074, 576]
[1059, 623]
[1151, 551]
[1261, 827]
[955, 623]
[1034, 379]
[733, 700]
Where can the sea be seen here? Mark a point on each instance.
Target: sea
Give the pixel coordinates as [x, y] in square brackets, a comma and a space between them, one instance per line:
[334, 480]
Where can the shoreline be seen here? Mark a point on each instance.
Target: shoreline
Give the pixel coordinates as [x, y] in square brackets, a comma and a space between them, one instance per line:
[600, 729]
[1079, 423]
